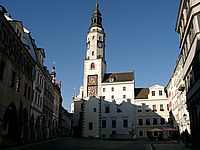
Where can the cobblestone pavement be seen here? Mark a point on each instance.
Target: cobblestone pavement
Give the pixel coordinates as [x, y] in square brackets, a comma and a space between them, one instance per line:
[169, 145]
[84, 144]
[69, 143]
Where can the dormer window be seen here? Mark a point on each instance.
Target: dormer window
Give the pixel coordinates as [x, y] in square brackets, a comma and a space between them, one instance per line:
[153, 93]
[111, 79]
[160, 93]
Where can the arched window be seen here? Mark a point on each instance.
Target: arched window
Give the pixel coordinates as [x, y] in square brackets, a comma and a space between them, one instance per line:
[92, 67]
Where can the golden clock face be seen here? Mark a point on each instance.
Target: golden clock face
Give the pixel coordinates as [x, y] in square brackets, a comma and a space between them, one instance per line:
[92, 90]
[92, 80]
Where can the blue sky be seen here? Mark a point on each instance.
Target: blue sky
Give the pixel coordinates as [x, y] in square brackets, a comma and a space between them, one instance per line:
[140, 36]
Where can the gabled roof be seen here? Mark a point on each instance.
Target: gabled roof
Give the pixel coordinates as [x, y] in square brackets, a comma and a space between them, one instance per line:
[118, 77]
[141, 93]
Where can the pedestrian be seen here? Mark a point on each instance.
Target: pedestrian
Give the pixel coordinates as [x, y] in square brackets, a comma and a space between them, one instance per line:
[186, 138]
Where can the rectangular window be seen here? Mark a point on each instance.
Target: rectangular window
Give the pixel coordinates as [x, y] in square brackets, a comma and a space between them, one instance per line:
[90, 126]
[112, 89]
[153, 93]
[103, 123]
[107, 109]
[140, 133]
[154, 108]
[104, 89]
[147, 121]
[81, 106]
[2, 66]
[13, 79]
[140, 122]
[124, 88]
[25, 89]
[124, 96]
[114, 132]
[35, 97]
[160, 93]
[113, 123]
[162, 121]
[155, 121]
[119, 108]
[112, 97]
[168, 107]
[125, 123]
[29, 92]
[161, 107]
[95, 110]
[18, 84]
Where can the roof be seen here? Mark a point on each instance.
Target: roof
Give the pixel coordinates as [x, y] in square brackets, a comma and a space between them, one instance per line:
[141, 93]
[118, 77]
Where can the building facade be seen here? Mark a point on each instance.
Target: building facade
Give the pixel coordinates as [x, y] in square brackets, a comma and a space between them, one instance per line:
[179, 115]
[30, 97]
[153, 112]
[16, 82]
[188, 27]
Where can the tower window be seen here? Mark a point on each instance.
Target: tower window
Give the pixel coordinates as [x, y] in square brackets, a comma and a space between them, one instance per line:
[92, 53]
[92, 37]
[92, 67]
[99, 38]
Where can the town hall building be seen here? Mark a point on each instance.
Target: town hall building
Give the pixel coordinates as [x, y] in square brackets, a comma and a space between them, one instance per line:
[105, 105]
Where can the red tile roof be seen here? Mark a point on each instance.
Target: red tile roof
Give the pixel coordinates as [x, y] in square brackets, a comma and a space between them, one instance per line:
[118, 77]
[141, 93]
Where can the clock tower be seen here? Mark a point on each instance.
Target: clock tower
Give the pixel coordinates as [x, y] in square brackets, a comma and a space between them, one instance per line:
[94, 64]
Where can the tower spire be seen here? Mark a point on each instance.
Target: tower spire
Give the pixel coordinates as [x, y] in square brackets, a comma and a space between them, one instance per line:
[97, 4]
[96, 17]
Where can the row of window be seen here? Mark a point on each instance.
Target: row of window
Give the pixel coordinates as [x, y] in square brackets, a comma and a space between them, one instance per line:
[113, 97]
[141, 133]
[15, 81]
[152, 121]
[113, 124]
[39, 79]
[107, 109]
[15, 51]
[160, 93]
[184, 16]
[38, 99]
[140, 108]
[99, 38]
[113, 89]
[194, 72]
